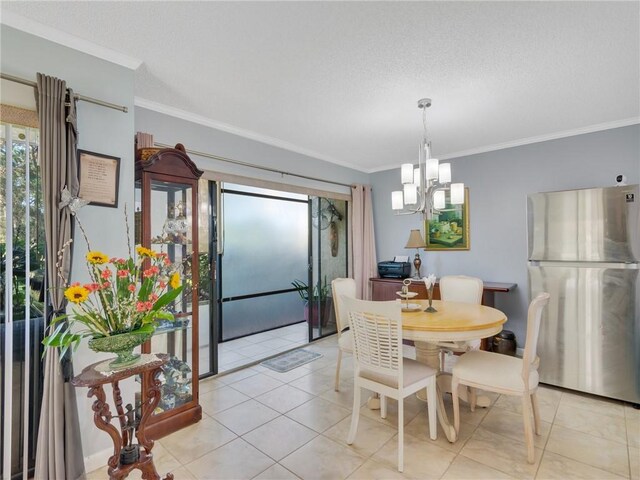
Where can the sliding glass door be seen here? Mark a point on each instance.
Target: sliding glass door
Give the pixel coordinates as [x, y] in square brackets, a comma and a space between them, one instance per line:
[267, 261]
[265, 250]
[328, 252]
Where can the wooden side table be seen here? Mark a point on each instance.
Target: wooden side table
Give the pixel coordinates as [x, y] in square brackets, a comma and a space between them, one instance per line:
[127, 456]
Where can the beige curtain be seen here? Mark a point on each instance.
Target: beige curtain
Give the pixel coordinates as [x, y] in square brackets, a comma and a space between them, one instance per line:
[59, 448]
[363, 243]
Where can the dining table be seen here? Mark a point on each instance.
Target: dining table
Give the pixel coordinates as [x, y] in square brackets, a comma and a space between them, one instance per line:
[451, 325]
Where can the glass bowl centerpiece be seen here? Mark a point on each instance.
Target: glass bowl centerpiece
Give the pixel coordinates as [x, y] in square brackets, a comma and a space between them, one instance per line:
[120, 307]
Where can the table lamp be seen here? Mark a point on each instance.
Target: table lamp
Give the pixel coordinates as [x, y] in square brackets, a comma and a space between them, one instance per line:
[416, 241]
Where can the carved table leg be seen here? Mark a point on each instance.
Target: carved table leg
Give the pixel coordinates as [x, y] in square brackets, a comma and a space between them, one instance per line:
[153, 398]
[102, 418]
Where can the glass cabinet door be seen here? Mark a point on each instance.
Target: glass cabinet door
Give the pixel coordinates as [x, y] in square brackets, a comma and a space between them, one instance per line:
[171, 232]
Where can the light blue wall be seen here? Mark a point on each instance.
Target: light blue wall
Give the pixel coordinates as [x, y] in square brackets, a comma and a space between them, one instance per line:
[101, 130]
[499, 183]
[170, 130]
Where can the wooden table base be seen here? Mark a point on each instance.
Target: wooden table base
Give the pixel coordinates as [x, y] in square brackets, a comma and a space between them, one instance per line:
[429, 354]
[102, 416]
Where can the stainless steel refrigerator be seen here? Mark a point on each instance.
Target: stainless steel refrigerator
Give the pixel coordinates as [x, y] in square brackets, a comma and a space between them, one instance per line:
[584, 249]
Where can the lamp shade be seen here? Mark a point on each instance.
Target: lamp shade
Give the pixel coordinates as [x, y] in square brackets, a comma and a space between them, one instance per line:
[410, 193]
[432, 168]
[438, 199]
[406, 173]
[444, 173]
[415, 240]
[416, 176]
[457, 193]
[397, 201]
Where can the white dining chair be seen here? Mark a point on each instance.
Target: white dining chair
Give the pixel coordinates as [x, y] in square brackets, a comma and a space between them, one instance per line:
[506, 375]
[342, 287]
[462, 289]
[380, 367]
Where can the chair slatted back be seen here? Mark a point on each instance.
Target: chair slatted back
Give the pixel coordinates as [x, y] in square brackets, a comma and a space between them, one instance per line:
[460, 288]
[342, 287]
[534, 318]
[377, 335]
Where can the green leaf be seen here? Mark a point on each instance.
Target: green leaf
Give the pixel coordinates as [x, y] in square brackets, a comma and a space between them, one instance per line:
[164, 315]
[167, 298]
[149, 328]
[59, 318]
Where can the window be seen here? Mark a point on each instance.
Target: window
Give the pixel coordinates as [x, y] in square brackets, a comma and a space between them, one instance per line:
[22, 290]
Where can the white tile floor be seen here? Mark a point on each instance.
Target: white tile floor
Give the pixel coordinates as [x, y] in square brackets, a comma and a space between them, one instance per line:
[247, 350]
[265, 425]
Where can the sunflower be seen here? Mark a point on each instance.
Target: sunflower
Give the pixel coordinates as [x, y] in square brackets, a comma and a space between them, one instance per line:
[145, 252]
[76, 294]
[175, 280]
[96, 257]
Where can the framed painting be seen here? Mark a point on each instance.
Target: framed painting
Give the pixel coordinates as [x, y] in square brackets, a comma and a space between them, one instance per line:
[448, 229]
[99, 177]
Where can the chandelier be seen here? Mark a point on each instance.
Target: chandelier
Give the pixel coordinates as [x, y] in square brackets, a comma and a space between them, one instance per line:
[425, 187]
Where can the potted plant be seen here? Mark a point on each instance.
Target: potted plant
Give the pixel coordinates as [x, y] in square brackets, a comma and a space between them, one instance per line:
[122, 305]
[320, 305]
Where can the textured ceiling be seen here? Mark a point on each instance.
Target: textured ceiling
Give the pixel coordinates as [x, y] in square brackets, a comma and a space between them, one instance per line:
[340, 80]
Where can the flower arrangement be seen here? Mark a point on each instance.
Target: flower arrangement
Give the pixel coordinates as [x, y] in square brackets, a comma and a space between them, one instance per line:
[125, 295]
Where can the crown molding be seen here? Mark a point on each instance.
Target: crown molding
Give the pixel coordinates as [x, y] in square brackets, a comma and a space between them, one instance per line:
[545, 138]
[625, 122]
[225, 127]
[68, 40]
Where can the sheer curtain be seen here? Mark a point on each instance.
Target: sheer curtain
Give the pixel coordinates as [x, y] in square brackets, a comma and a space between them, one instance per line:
[363, 243]
[59, 447]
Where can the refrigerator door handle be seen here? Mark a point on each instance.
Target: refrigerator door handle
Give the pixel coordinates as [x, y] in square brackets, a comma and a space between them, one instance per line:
[624, 266]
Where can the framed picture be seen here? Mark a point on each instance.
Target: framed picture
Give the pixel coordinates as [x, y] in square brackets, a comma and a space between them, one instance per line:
[448, 229]
[99, 177]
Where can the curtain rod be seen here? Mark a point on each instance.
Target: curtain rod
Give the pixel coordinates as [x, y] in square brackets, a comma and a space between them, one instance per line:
[77, 96]
[245, 164]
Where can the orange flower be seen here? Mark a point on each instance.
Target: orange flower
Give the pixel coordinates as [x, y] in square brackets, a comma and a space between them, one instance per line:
[92, 287]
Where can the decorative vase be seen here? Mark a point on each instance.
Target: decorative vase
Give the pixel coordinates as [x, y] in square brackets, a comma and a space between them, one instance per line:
[430, 308]
[122, 345]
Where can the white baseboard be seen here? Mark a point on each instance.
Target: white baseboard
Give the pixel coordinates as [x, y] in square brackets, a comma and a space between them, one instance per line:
[97, 460]
[519, 352]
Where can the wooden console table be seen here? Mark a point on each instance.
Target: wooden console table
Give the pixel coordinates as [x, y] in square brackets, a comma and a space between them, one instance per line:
[386, 288]
[97, 375]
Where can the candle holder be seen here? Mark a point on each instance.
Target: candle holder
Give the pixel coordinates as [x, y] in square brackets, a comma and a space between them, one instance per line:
[430, 308]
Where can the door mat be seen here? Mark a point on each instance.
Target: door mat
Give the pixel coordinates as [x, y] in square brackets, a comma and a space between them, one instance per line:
[290, 360]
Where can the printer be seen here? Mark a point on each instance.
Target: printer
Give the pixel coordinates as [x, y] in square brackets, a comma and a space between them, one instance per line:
[393, 269]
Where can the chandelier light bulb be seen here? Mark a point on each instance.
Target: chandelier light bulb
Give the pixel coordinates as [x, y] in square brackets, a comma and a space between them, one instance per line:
[410, 193]
[457, 193]
[438, 199]
[406, 173]
[397, 200]
[432, 168]
[444, 173]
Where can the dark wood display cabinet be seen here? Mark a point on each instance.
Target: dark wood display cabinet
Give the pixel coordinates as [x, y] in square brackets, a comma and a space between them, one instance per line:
[166, 220]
